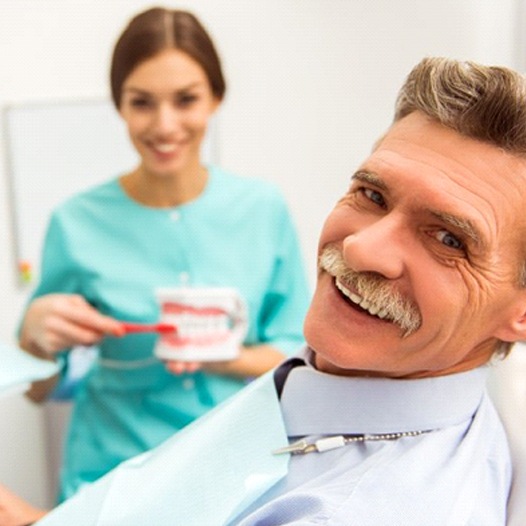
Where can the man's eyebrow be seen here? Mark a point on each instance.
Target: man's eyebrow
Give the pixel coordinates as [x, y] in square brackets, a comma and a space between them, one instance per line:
[369, 177]
[465, 226]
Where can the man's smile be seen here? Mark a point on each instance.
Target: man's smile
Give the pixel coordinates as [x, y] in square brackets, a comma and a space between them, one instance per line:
[372, 294]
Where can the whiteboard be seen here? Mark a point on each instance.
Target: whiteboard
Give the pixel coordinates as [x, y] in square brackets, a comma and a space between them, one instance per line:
[56, 149]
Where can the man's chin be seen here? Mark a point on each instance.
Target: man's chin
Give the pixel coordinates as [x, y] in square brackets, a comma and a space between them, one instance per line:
[327, 366]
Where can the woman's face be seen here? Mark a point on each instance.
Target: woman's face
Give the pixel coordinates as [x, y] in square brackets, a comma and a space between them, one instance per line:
[166, 103]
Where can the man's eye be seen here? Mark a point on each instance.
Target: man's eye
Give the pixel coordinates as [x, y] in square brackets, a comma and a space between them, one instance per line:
[374, 196]
[449, 240]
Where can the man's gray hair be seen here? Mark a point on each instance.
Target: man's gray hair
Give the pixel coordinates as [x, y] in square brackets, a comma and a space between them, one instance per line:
[486, 103]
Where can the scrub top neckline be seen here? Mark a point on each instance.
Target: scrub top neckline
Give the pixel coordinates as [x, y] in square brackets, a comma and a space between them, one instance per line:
[207, 190]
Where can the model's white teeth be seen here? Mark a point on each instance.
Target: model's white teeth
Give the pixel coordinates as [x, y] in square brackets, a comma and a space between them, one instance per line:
[196, 325]
[165, 148]
[361, 302]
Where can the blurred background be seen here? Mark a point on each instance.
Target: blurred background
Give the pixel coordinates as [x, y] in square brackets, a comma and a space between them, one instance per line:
[311, 85]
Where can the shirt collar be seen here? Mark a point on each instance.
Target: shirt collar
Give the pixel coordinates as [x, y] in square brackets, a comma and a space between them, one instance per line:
[317, 403]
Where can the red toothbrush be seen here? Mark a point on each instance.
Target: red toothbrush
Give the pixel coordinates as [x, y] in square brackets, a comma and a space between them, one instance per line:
[161, 328]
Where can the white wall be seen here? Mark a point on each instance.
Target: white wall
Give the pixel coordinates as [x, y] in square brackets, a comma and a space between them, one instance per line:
[311, 85]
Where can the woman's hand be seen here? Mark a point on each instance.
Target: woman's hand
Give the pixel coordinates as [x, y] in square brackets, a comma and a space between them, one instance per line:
[176, 367]
[58, 321]
[252, 361]
[14, 511]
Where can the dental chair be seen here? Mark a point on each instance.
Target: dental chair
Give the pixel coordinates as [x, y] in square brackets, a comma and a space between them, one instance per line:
[507, 385]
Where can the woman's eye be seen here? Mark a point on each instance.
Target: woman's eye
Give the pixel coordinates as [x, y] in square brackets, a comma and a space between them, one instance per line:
[374, 196]
[139, 103]
[186, 100]
[449, 240]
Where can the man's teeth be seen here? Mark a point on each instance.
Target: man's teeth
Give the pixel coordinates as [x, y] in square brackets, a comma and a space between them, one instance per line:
[165, 148]
[358, 300]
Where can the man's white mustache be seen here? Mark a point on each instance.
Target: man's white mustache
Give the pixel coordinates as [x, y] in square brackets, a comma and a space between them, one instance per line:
[374, 289]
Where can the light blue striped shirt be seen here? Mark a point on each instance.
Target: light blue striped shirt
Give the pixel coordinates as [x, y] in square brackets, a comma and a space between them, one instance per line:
[458, 473]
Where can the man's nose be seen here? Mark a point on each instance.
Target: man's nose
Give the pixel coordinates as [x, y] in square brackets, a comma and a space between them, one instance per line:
[378, 247]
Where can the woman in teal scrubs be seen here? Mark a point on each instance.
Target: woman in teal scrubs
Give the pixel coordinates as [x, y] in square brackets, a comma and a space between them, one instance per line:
[171, 221]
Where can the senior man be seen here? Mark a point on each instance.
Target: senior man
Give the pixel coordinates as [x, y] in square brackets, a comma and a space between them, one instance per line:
[384, 418]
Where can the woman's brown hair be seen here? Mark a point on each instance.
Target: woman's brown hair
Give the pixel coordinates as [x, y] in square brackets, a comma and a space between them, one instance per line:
[155, 30]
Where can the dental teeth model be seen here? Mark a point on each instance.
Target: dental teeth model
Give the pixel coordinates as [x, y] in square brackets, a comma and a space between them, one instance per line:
[203, 333]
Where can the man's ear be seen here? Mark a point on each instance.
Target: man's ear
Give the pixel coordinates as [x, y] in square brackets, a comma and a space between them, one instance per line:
[514, 329]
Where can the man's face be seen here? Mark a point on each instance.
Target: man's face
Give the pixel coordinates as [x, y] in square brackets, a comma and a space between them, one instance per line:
[430, 231]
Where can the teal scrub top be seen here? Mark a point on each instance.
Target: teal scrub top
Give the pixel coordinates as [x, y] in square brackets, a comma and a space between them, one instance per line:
[115, 252]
